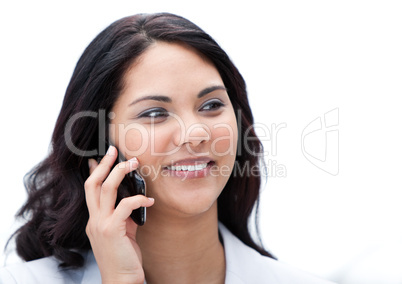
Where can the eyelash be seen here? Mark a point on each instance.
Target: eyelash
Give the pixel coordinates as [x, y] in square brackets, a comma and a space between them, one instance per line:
[150, 113]
[213, 105]
[218, 104]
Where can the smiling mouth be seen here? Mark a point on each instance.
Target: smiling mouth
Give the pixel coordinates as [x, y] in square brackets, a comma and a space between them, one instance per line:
[189, 168]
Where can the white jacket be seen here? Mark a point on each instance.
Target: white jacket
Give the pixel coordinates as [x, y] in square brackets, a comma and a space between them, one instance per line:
[244, 265]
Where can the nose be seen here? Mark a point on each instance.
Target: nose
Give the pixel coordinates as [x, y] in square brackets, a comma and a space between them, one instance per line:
[192, 132]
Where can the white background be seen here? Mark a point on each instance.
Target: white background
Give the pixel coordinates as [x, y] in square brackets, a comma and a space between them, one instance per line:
[300, 59]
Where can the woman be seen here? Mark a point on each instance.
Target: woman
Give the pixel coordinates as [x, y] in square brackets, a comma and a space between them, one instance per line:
[164, 95]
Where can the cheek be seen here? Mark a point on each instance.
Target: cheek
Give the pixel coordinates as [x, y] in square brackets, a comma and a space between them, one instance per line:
[132, 139]
[160, 140]
[149, 146]
[224, 138]
[136, 140]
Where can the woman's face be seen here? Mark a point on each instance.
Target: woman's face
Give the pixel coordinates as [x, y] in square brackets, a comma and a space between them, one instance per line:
[175, 116]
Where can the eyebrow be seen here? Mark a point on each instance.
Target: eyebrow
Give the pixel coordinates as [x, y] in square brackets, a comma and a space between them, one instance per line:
[166, 99]
[208, 90]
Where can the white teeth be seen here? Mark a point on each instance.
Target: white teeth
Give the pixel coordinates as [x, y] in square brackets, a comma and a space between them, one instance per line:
[188, 168]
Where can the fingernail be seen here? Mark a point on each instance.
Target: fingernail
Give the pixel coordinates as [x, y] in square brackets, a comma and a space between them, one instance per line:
[133, 159]
[110, 151]
[151, 199]
[133, 162]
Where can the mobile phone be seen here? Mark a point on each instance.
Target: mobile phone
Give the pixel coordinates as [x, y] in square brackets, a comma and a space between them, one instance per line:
[138, 187]
[132, 184]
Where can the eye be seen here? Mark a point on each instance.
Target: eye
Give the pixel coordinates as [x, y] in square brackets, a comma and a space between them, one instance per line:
[212, 105]
[154, 113]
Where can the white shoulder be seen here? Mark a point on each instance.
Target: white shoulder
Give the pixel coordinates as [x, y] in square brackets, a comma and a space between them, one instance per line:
[44, 270]
[47, 271]
[246, 265]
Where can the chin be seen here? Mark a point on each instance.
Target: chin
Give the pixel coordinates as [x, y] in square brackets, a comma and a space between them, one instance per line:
[197, 208]
[186, 206]
[185, 198]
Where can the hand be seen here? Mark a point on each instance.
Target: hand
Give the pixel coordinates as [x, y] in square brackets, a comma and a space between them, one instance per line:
[111, 231]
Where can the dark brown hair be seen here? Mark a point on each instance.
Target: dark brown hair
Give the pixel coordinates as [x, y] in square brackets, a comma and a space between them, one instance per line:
[56, 210]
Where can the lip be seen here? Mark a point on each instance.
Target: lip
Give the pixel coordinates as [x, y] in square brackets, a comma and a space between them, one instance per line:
[190, 161]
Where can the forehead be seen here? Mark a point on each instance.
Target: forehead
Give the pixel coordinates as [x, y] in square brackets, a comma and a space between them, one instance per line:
[170, 68]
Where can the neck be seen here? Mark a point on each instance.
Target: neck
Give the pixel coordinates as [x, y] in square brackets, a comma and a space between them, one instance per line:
[182, 250]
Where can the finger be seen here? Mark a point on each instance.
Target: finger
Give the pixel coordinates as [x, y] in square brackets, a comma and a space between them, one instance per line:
[91, 195]
[92, 164]
[98, 173]
[128, 204]
[109, 188]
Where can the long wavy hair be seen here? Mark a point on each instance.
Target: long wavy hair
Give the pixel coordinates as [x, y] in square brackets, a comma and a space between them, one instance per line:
[56, 210]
